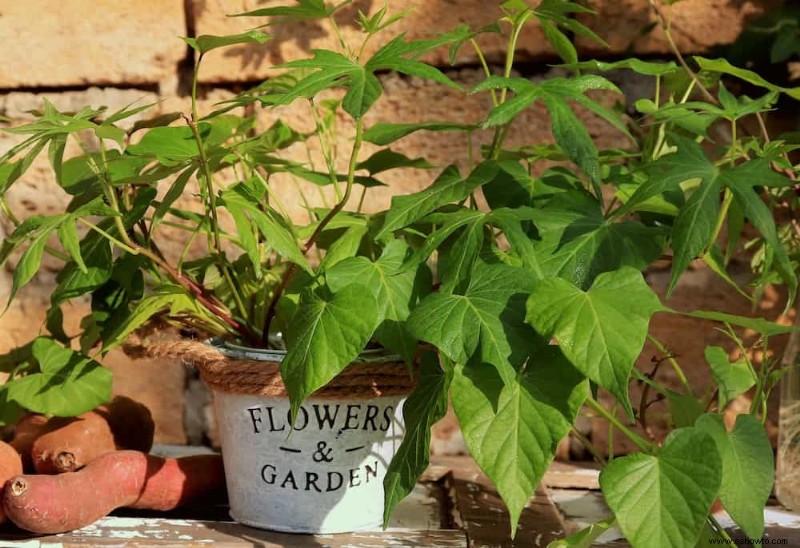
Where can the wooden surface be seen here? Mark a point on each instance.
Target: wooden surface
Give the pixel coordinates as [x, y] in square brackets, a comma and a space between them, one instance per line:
[453, 505]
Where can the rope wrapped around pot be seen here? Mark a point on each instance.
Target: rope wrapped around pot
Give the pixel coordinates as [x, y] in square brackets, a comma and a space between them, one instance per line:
[366, 378]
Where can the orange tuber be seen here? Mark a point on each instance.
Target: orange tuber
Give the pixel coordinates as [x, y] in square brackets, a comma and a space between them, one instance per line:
[10, 466]
[27, 430]
[55, 504]
[69, 443]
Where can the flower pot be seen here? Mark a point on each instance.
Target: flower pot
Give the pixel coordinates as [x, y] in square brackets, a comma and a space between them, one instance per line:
[325, 473]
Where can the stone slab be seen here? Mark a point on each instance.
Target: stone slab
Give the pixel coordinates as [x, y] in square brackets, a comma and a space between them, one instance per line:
[77, 43]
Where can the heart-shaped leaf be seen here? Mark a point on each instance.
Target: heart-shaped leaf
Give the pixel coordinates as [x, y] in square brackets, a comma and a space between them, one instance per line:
[599, 332]
[663, 500]
[394, 288]
[732, 378]
[512, 430]
[485, 325]
[426, 405]
[68, 383]
[326, 333]
[748, 469]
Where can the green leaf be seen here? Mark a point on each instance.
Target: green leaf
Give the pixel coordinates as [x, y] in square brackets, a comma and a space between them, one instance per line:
[175, 191]
[240, 201]
[386, 159]
[169, 145]
[31, 259]
[393, 287]
[512, 429]
[363, 86]
[748, 469]
[519, 239]
[600, 333]
[694, 117]
[663, 500]
[574, 139]
[68, 236]
[759, 325]
[576, 241]
[10, 411]
[722, 66]
[345, 246]
[585, 538]
[448, 223]
[740, 180]
[326, 333]
[570, 134]
[426, 405]
[68, 383]
[647, 68]
[485, 325]
[684, 408]
[560, 42]
[170, 298]
[688, 162]
[304, 10]
[449, 187]
[73, 282]
[694, 228]
[10, 172]
[732, 378]
[383, 134]
[456, 265]
[205, 43]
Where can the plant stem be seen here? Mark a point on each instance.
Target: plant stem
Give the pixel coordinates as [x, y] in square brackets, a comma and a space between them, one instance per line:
[215, 244]
[727, 200]
[290, 270]
[672, 362]
[662, 19]
[198, 291]
[501, 132]
[598, 456]
[720, 530]
[125, 246]
[656, 5]
[329, 164]
[338, 33]
[639, 441]
[486, 70]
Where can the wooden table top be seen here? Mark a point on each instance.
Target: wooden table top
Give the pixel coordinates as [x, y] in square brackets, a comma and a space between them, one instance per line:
[454, 504]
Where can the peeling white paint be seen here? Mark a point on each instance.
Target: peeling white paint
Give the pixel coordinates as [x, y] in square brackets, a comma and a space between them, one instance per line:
[773, 515]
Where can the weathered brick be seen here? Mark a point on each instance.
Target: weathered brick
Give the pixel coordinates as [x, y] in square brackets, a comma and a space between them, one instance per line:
[74, 42]
[297, 39]
[630, 26]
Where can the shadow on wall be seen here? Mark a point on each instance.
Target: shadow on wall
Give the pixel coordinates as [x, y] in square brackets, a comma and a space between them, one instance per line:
[697, 25]
[301, 33]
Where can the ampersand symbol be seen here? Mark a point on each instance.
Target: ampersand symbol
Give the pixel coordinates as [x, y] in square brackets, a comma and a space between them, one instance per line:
[323, 453]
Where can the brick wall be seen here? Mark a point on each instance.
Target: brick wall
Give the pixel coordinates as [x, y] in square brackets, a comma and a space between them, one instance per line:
[115, 52]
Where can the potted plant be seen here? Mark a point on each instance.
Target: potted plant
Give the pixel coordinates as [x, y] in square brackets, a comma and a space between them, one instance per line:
[537, 302]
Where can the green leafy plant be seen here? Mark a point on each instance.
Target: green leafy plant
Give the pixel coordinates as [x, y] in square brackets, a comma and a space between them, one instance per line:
[522, 314]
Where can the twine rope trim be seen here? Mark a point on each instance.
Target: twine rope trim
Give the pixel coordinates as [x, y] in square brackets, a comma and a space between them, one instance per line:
[254, 377]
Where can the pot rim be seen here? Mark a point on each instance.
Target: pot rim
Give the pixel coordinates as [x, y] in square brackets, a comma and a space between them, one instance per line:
[235, 351]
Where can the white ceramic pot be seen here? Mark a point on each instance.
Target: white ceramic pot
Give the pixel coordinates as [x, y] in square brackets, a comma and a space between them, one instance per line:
[324, 475]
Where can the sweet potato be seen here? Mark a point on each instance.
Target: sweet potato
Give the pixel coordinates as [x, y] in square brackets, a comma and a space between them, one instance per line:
[27, 430]
[68, 444]
[55, 504]
[10, 466]
[71, 442]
